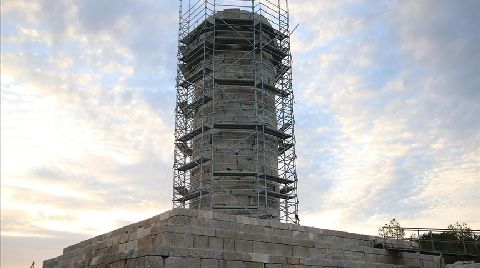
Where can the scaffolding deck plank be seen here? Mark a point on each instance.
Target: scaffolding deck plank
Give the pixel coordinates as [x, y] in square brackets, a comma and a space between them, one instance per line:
[234, 126]
[193, 164]
[233, 40]
[233, 207]
[188, 109]
[277, 195]
[272, 89]
[266, 129]
[192, 196]
[275, 179]
[194, 77]
[276, 133]
[234, 82]
[251, 83]
[192, 134]
[234, 173]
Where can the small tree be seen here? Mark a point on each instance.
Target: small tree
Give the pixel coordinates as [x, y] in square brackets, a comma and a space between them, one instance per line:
[461, 231]
[391, 229]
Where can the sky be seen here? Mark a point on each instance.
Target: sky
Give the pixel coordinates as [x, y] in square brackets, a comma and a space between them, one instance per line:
[387, 116]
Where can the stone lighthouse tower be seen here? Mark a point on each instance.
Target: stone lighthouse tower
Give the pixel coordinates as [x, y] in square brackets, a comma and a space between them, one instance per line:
[234, 138]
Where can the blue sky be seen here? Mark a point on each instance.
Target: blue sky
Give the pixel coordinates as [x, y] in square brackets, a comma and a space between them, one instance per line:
[387, 116]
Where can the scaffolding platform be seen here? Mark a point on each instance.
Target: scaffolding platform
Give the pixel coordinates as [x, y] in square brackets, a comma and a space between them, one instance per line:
[234, 173]
[276, 195]
[191, 196]
[251, 83]
[183, 147]
[193, 164]
[181, 190]
[189, 109]
[283, 147]
[194, 133]
[286, 189]
[233, 207]
[251, 174]
[194, 77]
[266, 129]
[275, 179]
[272, 89]
[233, 24]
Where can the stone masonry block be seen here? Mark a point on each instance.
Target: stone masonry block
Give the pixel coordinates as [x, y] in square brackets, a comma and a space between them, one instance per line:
[229, 244]
[192, 213]
[167, 239]
[203, 214]
[200, 241]
[254, 265]
[273, 265]
[182, 262]
[215, 242]
[263, 247]
[209, 263]
[179, 220]
[224, 217]
[154, 262]
[201, 231]
[243, 246]
[183, 240]
[259, 257]
[231, 256]
[316, 253]
[206, 253]
[224, 233]
[235, 264]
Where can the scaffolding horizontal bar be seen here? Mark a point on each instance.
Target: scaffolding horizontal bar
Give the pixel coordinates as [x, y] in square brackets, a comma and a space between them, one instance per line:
[272, 89]
[234, 173]
[194, 133]
[266, 129]
[275, 179]
[191, 196]
[193, 164]
[251, 83]
[276, 133]
[233, 40]
[277, 195]
[233, 207]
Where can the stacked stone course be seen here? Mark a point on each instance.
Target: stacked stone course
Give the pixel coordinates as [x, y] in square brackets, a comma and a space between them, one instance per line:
[191, 238]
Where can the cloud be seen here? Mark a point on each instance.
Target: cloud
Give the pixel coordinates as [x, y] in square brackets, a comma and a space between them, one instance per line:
[387, 100]
[387, 110]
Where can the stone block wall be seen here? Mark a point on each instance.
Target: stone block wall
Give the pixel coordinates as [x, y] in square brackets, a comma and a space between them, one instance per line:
[191, 238]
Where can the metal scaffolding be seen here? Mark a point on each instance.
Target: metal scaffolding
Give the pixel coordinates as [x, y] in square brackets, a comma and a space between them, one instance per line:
[234, 123]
